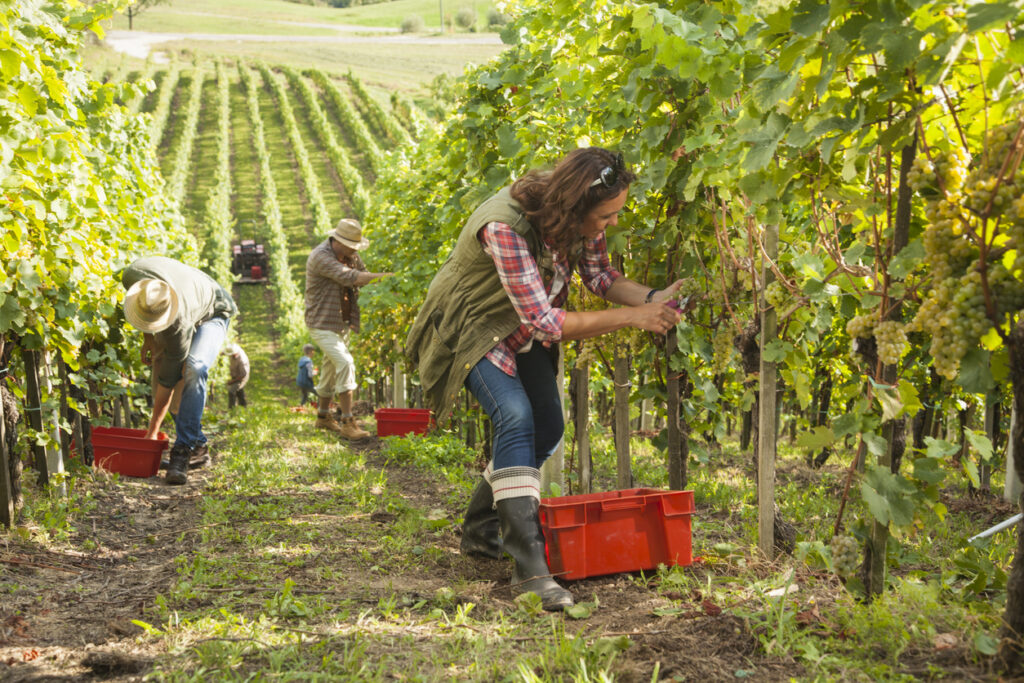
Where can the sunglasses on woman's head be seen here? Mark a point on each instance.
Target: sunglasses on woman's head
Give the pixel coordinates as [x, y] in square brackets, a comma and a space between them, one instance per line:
[610, 174]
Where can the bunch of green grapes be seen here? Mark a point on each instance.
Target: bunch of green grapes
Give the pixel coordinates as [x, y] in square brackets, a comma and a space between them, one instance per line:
[891, 338]
[845, 555]
[945, 172]
[953, 315]
[964, 210]
[776, 295]
[861, 326]
[587, 353]
[721, 343]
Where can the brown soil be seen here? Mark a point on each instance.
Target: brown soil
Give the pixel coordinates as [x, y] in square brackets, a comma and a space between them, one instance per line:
[67, 615]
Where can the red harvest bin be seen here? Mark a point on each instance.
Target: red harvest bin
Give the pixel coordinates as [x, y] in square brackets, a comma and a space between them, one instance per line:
[617, 531]
[399, 421]
[125, 451]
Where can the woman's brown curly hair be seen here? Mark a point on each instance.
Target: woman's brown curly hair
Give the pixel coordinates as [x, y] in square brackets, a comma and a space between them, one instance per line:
[556, 202]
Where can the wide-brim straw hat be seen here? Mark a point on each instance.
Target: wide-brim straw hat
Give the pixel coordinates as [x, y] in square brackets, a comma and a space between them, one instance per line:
[151, 305]
[349, 232]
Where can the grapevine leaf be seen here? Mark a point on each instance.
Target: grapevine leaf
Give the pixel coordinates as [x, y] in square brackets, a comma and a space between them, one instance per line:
[971, 468]
[981, 443]
[875, 443]
[816, 439]
[776, 351]
[981, 16]
[938, 448]
[910, 398]
[890, 401]
[928, 470]
[904, 262]
[889, 496]
[975, 375]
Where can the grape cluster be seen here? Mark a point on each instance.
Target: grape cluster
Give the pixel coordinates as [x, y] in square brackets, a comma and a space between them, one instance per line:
[968, 207]
[776, 295]
[721, 344]
[891, 338]
[861, 326]
[845, 555]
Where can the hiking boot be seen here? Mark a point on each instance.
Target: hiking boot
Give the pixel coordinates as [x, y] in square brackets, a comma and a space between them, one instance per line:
[200, 456]
[177, 468]
[351, 431]
[327, 422]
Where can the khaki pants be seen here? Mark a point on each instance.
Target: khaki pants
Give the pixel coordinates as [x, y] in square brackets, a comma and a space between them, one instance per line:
[338, 370]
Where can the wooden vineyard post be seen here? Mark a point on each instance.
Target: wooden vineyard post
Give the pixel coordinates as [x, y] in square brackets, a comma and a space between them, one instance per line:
[624, 479]
[582, 425]
[6, 493]
[1012, 487]
[399, 383]
[33, 409]
[992, 415]
[551, 471]
[766, 436]
[676, 465]
[54, 456]
[65, 410]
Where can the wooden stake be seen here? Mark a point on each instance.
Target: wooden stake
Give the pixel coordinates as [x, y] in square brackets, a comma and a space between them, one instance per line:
[766, 432]
[675, 464]
[622, 387]
[6, 493]
[33, 409]
[582, 422]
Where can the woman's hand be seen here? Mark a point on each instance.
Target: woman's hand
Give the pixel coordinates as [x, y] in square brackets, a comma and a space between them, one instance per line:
[668, 293]
[655, 317]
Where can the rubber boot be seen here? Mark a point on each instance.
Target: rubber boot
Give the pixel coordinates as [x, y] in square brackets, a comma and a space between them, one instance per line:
[523, 539]
[481, 532]
[177, 469]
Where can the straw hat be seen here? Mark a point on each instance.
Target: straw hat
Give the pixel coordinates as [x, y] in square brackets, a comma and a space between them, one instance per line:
[151, 305]
[350, 233]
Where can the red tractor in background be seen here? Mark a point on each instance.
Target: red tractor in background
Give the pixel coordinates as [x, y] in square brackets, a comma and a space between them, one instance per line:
[249, 262]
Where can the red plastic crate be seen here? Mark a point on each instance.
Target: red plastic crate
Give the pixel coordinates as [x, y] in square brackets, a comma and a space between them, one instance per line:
[125, 451]
[617, 531]
[399, 421]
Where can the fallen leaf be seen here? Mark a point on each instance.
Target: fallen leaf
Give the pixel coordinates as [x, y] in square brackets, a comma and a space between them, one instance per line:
[946, 641]
[29, 655]
[710, 608]
[808, 616]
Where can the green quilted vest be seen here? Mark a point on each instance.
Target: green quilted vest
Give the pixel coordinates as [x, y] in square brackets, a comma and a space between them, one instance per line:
[467, 311]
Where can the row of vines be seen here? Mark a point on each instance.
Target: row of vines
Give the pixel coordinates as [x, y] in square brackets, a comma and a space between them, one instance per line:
[84, 195]
[882, 144]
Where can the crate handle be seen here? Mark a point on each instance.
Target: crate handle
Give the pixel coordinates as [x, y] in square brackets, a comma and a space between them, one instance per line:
[621, 504]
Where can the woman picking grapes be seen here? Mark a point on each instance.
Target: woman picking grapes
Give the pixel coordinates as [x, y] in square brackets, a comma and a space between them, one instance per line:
[491, 322]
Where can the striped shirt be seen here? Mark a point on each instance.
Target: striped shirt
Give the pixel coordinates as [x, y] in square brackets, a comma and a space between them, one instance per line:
[540, 313]
[330, 290]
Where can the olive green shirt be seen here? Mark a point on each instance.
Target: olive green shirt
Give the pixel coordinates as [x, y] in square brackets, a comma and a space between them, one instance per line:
[200, 299]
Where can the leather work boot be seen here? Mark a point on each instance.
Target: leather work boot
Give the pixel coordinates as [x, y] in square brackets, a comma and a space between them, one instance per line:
[481, 532]
[327, 422]
[177, 469]
[351, 431]
[200, 456]
[523, 539]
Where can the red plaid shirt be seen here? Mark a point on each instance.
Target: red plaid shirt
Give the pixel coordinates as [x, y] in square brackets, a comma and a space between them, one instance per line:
[541, 315]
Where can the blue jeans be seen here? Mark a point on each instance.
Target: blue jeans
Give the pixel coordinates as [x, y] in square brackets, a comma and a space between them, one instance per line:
[525, 410]
[202, 354]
